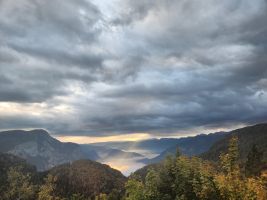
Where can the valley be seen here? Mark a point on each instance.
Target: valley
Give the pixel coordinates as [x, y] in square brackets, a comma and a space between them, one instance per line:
[51, 168]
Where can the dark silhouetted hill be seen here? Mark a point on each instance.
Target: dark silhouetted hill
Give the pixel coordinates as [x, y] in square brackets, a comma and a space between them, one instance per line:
[247, 137]
[87, 177]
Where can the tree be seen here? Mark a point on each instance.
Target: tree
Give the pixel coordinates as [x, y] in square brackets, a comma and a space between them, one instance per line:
[47, 190]
[229, 161]
[134, 190]
[77, 197]
[151, 186]
[101, 197]
[115, 195]
[167, 178]
[232, 184]
[177, 153]
[183, 178]
[20, 186]
[254, 162]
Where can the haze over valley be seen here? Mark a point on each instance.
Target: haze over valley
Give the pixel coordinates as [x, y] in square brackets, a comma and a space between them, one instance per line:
[133, 100]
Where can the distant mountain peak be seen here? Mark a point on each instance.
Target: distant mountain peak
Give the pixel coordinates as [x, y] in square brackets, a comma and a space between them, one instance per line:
[33, 131]
[39, 148]
[39, 131]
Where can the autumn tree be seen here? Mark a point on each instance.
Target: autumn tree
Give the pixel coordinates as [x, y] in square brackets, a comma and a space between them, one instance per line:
[183, 178]
[47, 190]
[19, 185]
[101, 197]
[232, 184]
[77, 197]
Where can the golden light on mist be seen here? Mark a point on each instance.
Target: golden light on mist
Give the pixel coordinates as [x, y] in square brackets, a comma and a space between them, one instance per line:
[118, 166]
[114, 138]
[32, 109]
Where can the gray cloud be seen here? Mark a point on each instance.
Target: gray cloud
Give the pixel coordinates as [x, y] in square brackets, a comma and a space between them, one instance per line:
[160, 67]
[40, 42]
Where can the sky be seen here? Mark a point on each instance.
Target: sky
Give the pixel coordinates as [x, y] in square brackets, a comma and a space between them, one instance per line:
[106, 70]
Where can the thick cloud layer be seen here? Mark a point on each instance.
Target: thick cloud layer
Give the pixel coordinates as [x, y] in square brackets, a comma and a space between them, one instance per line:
[113, 67]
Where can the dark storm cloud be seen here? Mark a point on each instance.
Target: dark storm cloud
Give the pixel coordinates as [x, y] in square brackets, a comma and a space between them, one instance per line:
[150, 66]
[132, 11]
[40, 41]
[29, 90]
[60, 57]
[73, 19]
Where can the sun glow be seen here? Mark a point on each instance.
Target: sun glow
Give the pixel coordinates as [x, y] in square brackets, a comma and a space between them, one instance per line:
[93, 139]
[119, 166]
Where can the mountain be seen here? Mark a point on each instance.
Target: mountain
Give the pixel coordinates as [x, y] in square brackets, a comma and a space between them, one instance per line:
[9, 160]
[40, 149]
[157, 149]
[160, 148]
[105, 153]
[84, 177]
[88, 178]
[190, 146]
[154, 146]
[247, 137]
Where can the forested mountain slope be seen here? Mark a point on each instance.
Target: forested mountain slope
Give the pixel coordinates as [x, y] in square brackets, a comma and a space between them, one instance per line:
[88, 178]
[191, 146]
[247, 137]
[83, 179]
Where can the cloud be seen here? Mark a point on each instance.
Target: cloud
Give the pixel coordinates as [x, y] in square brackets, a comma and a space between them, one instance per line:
[156, 67]
[45, 44]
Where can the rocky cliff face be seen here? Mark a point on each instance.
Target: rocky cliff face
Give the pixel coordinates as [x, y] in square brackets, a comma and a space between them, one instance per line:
[40, 149]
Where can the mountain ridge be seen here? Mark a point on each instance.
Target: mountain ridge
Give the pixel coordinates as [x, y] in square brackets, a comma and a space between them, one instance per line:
[247, 137]
[190, 146]
[68, 180]
[40, 149]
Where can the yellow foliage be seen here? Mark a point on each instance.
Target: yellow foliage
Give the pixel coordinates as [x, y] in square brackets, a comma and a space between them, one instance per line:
[235, 188]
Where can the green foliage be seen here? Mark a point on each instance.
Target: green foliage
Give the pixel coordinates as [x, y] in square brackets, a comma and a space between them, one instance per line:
[134, 190]
[86, 177]
[151, 186]
[247, 137]
[177, 178]
[19, 185]
[101, 197]
[115, 194]
[77, 197]
[182, 178]
[7, 162]
[229, 160]
[232, 184]
[254, 162]
[81, 180]
[48, 189]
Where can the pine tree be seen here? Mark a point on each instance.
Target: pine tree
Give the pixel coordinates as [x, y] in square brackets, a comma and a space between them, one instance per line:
[254, 162]
[177, 153]
[151, 186]
[229, 161]
[134, 190]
